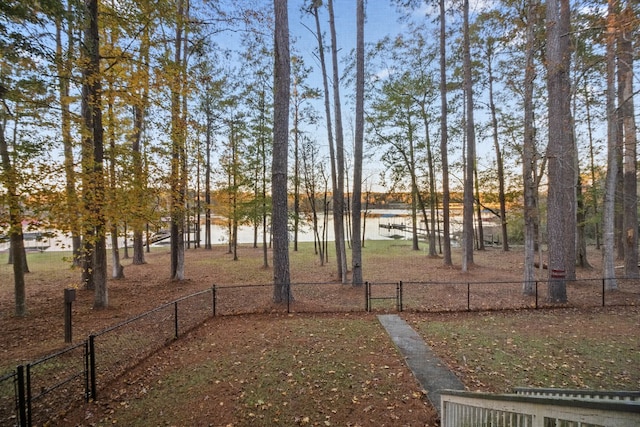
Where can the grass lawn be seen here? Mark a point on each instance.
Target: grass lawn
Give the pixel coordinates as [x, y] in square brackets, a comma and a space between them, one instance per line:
[565, 348]
[323, 370]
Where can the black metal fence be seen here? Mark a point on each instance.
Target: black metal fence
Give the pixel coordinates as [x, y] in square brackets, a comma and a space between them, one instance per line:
[54, 384]
[475, 296]
[478, 296]
[44, 390]
[10, 402]
[421, 296]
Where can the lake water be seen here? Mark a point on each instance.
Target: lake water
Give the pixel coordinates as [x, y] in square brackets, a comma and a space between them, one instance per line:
[380, 224]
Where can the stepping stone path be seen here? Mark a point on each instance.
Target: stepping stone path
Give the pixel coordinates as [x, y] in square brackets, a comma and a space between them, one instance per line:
[431, 372]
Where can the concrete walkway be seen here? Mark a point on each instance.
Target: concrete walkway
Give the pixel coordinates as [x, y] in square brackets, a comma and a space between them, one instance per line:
[432, 374]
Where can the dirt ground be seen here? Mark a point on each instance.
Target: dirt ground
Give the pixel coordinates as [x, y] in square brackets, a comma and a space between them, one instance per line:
[147, 286]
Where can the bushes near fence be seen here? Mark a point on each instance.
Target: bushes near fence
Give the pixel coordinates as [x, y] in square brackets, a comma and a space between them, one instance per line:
[47, 388]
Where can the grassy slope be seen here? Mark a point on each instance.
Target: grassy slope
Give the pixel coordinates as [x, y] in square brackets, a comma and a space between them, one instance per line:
[598, 349]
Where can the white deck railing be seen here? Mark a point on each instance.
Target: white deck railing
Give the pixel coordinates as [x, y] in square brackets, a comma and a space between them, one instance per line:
[470, 409]
[622, 395]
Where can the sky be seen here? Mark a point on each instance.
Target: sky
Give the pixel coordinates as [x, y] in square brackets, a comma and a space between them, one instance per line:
[381, 20]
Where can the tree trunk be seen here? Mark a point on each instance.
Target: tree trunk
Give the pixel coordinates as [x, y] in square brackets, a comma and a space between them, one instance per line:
[198, 203]
[365, 213]
[296, 161]
[88, 229]
[17, 252]
[528, 156]
[480, 231]
[338, 192]
[177, 150]
[282, 69]
[233, 235]
[310, 185]
[19, 261]
[64, 75]
[94, 272]
[415, 194]
[467, 216]
[620, 244]
[125, 240]
[139, 176]
[581, 241]
[572, 221]
[592, 160]
[325, 227]
[101, 296]
[414, 218]
[581, 259]
[207, 178]
[626, 107]
[117, 270]
[332, 150]
[433, 201]
[184, 105]
[356, 241]
[263, 154]
[561, 196]
[608, 232]
[499, 160]
[444, 144]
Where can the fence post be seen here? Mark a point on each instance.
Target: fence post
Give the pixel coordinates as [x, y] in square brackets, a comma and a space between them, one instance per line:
[175, 319]
[400, 296]
[603, 281]
[468, 296]
[86, 371]
[536, 294]
[213, 297]
[92, 366]
[366, 296]
[28, 394]
[22, 404]
[69, 298]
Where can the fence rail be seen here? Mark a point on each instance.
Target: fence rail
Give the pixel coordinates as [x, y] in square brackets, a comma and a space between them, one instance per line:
[620, 395]
[473, 409]
[30, 393]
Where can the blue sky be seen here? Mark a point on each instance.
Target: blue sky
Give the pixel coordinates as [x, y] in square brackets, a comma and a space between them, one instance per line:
[381, 20]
